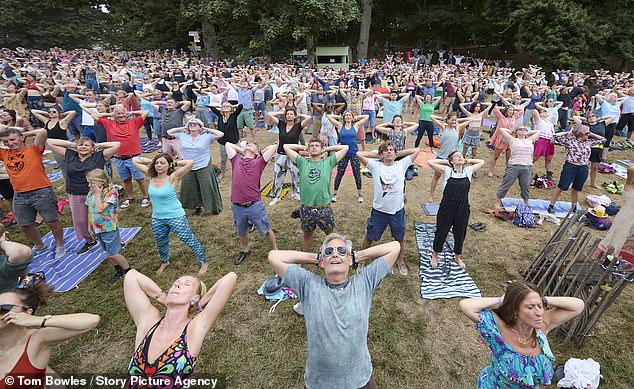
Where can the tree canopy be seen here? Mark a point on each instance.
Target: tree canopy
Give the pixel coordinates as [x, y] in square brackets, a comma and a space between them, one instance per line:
[573, 34]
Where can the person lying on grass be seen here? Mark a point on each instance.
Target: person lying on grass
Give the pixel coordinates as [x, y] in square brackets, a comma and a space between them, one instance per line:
[167, 345]
[336, 308]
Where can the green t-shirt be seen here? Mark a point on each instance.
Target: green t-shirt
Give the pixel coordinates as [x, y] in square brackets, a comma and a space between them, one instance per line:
[426, 110]
[314, 180]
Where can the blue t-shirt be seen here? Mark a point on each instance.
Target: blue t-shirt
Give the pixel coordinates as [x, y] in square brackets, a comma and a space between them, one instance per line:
[69, 104]
[392, 108]
[337, 318]
[348, 137]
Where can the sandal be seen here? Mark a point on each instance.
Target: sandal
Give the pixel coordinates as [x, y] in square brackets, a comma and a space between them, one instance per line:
[478, 226]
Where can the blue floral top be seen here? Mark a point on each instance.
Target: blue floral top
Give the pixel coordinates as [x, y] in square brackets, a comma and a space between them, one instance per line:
[510, 369]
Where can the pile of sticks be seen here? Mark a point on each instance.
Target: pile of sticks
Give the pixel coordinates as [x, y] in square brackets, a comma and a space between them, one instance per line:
[570, 265]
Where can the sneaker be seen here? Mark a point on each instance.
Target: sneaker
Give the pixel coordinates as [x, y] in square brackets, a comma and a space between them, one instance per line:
[145, 202]
[551, 209]
[119, 273]
[402, 268]
[251, 226]
[296, 197]
[360, 199]
[274, 201]
[87, 247]
[126, 203]
[334, 198]
[59, 253]
[241, 257]
[198, 211]
[299, 309]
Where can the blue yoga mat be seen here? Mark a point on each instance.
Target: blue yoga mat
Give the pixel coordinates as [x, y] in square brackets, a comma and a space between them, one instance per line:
[448, 280]
[49, 163]
[561, 208]
[55, 175]
[68, 272]
[431, 209]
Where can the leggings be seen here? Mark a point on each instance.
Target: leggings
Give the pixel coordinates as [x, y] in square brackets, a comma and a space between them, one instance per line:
[180, 227]
[428, 127]
[610, 130]
[341, 169]
[627, 119]
[148, 126]
[283, 164]
[79, 213]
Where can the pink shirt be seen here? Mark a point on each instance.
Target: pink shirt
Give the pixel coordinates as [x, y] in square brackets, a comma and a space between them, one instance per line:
[245, 181]
[521, 152]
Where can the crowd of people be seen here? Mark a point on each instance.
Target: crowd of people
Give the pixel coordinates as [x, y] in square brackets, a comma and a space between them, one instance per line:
[89, 109]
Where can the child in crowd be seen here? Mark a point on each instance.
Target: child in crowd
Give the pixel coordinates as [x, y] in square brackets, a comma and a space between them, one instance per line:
[102, 202]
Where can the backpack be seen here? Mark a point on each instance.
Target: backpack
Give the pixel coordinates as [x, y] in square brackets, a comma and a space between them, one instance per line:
[600, 223]
[524, 216]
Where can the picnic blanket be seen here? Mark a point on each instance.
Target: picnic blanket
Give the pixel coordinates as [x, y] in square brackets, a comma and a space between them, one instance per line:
[424, 156]
[55, 175]
[626, 162]
[49, 163]
[448, 280]
[431, 209]
[621, 171]
[68, 272]
[148, 146]
[561, 208]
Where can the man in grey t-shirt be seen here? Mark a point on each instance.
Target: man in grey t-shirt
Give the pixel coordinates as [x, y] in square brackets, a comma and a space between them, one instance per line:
[336, 308]
[14, 264]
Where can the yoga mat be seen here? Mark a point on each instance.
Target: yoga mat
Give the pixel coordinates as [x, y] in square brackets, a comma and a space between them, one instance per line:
[274, 130]
[626, 162]
[424, 156]
[431, 209]
[561, 208]
[621, 171]
[55, 175]
[68, 272]
[266, 190]
[448, 280]
[148, 146]
[49, 163]
[347, 173]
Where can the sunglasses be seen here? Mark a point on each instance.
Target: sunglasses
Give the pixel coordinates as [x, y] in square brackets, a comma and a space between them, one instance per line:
[6, 308]
[342, 250]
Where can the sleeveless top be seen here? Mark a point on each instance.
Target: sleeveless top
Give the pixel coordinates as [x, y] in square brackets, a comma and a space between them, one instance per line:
[398, 138]
[290, 137]
[57, 132]
[522, 152]
[175, 362]
[510, 369]
[328, 132]
[165, 204]
[348, 137]
[23, 367]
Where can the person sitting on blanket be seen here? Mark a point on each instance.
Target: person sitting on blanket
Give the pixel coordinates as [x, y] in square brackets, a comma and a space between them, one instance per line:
[388, 205]
[12, 265]
[173, 340]
[575, 171]
[514, 327]
[33, 191]
[453, 212]
[26, 340]
[102, 202]
[338, 355]
[247, 166]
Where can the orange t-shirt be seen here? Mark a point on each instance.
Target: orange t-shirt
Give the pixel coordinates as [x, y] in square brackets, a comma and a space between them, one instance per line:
[25, 168]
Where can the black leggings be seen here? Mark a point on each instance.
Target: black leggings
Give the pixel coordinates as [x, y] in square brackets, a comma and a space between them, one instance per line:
[626, 119]
[610, 130]
[341, 169]
[428, 127]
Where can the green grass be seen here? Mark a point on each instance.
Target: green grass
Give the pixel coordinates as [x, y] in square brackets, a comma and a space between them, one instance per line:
[414, 343]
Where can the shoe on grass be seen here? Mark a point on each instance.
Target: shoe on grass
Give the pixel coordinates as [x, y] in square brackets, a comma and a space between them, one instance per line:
[145, 202]
[360, 198]
[299, 309]
[126, 203]
[334, 198]
[274, 201]
[119, 273]
[402, 268]
[241, 257]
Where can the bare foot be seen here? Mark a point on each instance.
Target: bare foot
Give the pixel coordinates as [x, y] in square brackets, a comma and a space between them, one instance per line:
[203, 268]
[430, 200]
[490, 174]
[460, 263]
[221, 176]
[161, 268]
[595, 186]
[434, 260]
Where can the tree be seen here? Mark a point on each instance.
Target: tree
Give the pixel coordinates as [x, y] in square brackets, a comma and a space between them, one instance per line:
[364, 31]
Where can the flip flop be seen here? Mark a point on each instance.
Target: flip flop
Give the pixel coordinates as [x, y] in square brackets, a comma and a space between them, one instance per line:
[478, 226]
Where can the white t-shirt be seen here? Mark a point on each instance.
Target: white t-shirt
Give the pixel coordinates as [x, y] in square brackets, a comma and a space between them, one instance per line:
[86, 119]
[467, 171]
[389, 183]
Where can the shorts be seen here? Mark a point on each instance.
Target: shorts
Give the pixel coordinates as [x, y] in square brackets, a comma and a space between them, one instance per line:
[378, 221]
[245, 118]
[361, 133]
[6, 189]
[573, 174]
[596, 154]
[321, 216]
[259, 106]
[255, 213]
[110, 242]
[126, 169]
[26, 205]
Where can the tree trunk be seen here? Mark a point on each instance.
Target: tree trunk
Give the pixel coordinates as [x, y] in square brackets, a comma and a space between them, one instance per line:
[364, 30]
[209, 38]
[310, 49]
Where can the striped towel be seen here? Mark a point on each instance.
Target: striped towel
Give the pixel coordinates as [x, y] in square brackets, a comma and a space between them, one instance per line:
[68, 272]
[448, 280]
[148, 146]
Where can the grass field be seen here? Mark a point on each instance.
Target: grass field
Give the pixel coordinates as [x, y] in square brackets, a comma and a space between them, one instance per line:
[414, 343]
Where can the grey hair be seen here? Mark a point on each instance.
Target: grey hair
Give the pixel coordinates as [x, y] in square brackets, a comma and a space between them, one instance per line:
[580, 129]
[334, 236]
